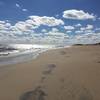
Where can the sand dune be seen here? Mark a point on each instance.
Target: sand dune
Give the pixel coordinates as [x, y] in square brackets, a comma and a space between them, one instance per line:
[64, 74]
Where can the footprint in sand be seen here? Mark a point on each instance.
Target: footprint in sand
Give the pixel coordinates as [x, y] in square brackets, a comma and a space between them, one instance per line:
[85, 95]
[98, 61]
[42, 79]
[49, 69]
[62, 52]
[37, 94]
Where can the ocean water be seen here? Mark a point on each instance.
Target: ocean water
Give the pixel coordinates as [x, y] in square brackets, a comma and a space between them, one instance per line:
[22, 53]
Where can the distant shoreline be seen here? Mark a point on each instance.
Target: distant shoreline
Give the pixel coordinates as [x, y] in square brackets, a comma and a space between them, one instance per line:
[87, 44]
[8, 59]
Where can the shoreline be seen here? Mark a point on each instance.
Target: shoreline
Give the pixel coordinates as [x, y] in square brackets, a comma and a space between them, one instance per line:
[27, 60]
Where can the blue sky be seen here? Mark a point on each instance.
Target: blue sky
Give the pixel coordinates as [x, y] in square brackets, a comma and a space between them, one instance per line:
[8, 10]
[72, 21]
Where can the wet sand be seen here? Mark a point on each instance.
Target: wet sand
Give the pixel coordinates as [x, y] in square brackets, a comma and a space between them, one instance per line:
[63, 74]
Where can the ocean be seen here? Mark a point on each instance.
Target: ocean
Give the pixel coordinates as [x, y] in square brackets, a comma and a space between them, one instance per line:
[17, 53]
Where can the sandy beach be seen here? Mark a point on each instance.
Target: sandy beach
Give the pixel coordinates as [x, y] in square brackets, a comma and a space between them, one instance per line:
[64, 74]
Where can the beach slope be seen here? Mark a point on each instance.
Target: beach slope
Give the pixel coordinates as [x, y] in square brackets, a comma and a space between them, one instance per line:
[63, 74]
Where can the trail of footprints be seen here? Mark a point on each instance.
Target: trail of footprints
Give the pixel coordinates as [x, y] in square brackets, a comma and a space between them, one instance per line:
[38, 93]
[48, 71]
[70, 91]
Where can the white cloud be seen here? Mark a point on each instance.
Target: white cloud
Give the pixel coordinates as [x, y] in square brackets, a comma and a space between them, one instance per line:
[55, 30]
[55, 33]
[49, 21]
[55, 37]
[34, 22]
[78, 15]
[22, 26]
[25, 10]
[69, 27]
[57, 15]
[87, 38]
[79, 31]
[2, 22]
[88, 27]
[44, 30]
[99, 18]
[78, 25]
[82, 28]
[68, 31]
[4, 25]
[17, 5]
[97, 29]
[21, 8]
[25, 31]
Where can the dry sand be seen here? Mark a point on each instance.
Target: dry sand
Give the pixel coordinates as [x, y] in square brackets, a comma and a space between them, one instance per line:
[64, 74]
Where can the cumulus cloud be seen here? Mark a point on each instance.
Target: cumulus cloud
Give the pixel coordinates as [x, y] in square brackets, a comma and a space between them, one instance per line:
[87, 38]
[2, 22]
[69, 27]
[56, 31]
[44, 30]
[34, 22]
[4, 25]
[54, 36]
[49, 21]
[78, 25]
[79, 31]
[88, 27]
[68, 31]
[22, 26]
[24, 30]
[85, 29]
[78, 15]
